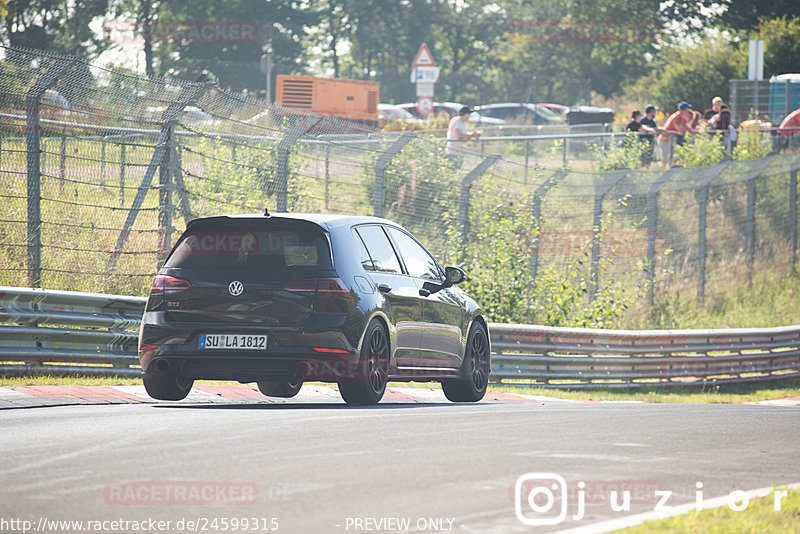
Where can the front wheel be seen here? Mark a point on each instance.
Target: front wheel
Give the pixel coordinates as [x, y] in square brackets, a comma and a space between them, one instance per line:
[163, 382]
[285, 388]
[471, 387]
[369, 384]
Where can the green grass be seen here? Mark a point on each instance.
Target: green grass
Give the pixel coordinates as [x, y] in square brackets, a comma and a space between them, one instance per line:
[759, 517]
[717, 395]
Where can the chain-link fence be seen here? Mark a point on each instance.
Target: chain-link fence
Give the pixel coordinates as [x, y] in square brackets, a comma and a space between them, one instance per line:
[101, 170]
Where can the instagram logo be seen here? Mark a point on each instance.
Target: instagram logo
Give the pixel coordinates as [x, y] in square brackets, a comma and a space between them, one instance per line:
[541, 493]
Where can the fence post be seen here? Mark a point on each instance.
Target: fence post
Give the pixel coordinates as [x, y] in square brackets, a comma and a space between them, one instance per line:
[284, 151]
[652, 230]
[379, 195]
[600, 193]
[103, 162]
[188, 96]
[62, 162]
[750, 224]
[327, 173]
[703, 189]
[463, 204]
[165, 201]
[793, 211]
[177, 176]
[122, 171]
[527, 158]
[34, 151]
[536, 211]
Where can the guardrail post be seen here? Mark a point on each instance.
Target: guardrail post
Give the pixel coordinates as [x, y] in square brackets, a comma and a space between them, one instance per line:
[703, 189]
[34, 150]
[379, 194]
[536, 212]
[597, 226]
[652, 230]
[463, 203]
[189, 95]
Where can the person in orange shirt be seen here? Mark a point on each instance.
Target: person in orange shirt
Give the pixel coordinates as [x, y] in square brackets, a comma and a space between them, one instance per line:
[678, 124]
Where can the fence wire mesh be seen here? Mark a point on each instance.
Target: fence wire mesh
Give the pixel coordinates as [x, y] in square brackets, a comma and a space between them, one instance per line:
[101, 170]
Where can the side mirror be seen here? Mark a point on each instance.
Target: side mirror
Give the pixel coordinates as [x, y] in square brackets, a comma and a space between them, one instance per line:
[454, 276]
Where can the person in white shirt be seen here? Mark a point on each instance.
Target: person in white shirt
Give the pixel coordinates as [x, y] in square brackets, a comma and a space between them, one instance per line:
[458, 130]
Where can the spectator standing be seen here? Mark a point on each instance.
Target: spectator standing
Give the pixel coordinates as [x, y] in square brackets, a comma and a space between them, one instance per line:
[677, 126]
[716, 104]
[458, 130]
[649, 120]
[720, 122]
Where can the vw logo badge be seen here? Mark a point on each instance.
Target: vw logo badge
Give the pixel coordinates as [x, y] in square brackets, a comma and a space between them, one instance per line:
[235, 288]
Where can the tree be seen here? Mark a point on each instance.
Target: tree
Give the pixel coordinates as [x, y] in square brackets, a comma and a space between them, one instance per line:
[747, 14]
[781, 44]
[694, 73]
[54, 25]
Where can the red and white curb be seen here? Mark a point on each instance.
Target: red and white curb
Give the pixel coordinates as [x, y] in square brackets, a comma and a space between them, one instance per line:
[41, 396]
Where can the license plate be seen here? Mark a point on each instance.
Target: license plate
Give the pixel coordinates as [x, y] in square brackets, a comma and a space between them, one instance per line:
[233, 342]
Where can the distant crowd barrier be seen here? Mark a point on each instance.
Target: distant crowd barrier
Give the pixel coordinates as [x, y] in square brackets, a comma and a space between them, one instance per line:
[65, 333]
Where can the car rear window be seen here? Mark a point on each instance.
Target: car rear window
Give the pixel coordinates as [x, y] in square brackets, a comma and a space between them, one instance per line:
[274, 250]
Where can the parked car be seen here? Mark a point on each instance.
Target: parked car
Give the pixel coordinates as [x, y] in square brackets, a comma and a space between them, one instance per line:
[520, 113]
[451, 109]
[589, 115]
[280, 299]
[390, 112]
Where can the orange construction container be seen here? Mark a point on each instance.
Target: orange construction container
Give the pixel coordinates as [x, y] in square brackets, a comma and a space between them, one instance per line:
[347, 99]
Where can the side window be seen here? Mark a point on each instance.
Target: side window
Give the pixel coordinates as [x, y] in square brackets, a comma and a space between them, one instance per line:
[418, 261]
[380, 249]
[363, 255]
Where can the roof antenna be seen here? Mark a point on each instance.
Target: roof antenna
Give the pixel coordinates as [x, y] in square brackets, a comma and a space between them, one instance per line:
[266, 212]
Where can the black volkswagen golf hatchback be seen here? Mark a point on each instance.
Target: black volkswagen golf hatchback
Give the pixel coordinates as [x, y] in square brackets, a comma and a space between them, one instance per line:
[286, 298]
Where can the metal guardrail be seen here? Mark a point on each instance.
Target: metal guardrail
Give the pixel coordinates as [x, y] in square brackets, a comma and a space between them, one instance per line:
[92, 334]
[96, 335]
[587, 358]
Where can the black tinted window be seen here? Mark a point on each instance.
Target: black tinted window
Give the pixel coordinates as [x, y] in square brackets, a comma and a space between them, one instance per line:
[417, 260]
[274, 251]
[380, 249]
[363, 255]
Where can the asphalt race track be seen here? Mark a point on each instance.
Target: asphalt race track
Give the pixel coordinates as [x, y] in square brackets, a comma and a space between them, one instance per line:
[411, 464]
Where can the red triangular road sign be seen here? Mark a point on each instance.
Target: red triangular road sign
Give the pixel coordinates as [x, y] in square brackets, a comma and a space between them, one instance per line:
[424, 58]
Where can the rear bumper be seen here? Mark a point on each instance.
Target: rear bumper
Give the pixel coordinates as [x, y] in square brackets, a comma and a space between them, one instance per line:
[318, 349]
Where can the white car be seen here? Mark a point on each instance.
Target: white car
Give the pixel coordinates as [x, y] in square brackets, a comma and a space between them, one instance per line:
[452, 109]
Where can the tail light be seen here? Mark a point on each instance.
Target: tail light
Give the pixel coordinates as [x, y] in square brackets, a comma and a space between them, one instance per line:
[163, 283]
[322, 287]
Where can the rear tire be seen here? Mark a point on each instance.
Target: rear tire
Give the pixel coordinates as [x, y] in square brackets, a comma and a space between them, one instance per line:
[286, 388]
[474, 369]
[369, 384]
[166, 384]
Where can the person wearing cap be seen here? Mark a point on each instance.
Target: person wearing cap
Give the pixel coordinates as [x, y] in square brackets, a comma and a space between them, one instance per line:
[678, 124]
[458, 130]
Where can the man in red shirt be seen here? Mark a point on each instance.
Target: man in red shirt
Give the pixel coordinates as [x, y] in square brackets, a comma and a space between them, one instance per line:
[677, 125]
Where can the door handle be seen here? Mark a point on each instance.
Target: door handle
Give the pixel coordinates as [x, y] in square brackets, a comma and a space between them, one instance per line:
[424, 293]
[383, 288]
